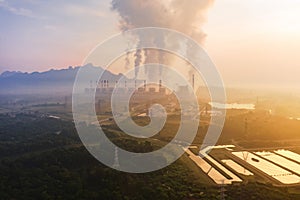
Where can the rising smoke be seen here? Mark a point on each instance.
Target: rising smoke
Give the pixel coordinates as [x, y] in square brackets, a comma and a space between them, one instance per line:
[186, 16]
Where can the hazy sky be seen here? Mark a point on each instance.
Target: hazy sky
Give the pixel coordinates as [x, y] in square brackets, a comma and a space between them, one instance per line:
[251, 41]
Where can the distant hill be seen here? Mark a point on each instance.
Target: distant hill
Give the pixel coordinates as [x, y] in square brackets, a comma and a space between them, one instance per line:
[9, 73]
[52, 81]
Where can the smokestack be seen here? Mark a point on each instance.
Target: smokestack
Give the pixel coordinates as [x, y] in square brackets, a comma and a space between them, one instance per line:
[66, 101]
[145, 84]
[193, 81]
[160, 84]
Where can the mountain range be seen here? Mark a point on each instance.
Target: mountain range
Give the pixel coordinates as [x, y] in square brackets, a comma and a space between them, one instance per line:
[52, 81]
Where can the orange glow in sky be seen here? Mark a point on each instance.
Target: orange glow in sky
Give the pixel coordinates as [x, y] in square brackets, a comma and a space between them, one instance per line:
[252, 42]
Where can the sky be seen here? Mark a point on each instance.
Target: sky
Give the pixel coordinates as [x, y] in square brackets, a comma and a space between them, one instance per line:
[37, 35]
[252, 42]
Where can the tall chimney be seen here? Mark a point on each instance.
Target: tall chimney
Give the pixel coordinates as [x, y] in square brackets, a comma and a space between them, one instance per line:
[160, 84]
[193, 81]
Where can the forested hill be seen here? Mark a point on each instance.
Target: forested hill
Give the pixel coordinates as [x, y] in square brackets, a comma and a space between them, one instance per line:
[52, 81]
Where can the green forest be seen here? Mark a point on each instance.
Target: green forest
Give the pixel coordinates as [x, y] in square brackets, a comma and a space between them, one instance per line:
[43, 158]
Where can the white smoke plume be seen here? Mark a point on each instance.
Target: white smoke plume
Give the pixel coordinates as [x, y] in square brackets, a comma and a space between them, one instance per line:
[138, 60]
[186, 16]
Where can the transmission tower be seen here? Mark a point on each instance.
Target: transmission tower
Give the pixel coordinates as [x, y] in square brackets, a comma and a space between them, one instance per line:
[116, 164]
